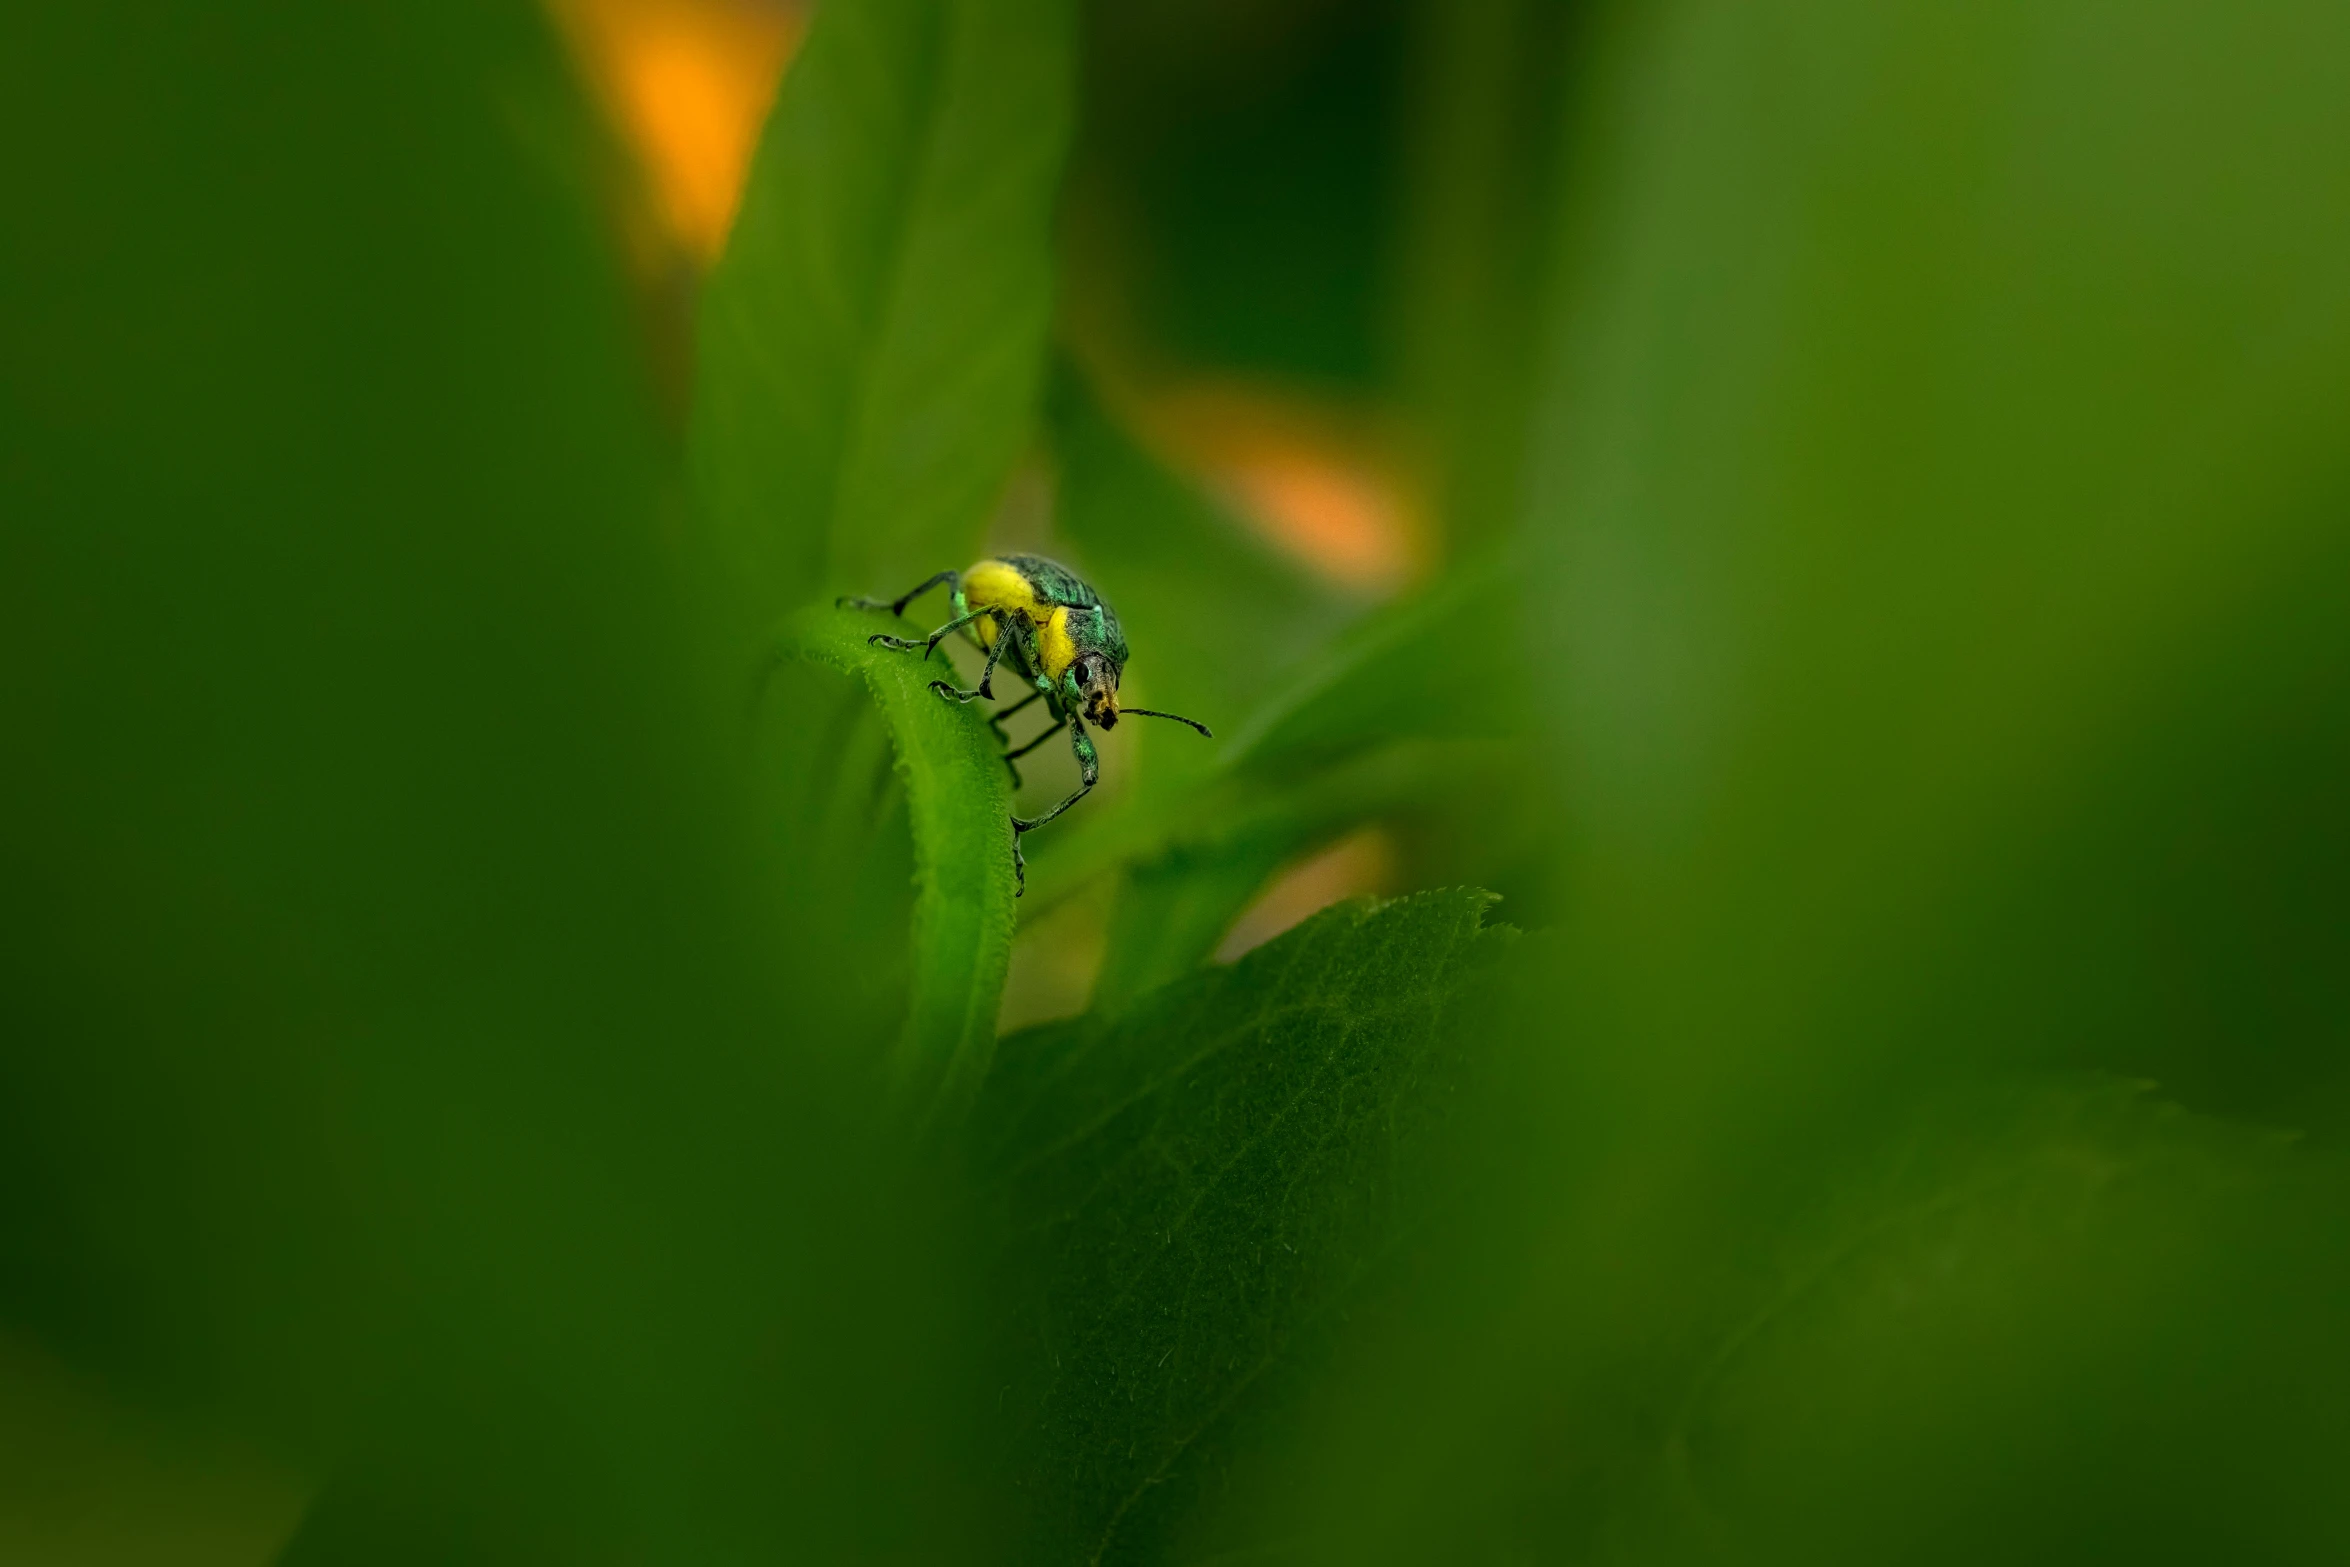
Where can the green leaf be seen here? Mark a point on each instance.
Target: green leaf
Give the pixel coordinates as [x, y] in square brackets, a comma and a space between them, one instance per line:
[407, 1071]
[391, 728]
[1480, 170]
[2053, 1310]
[1932, 564]
[2023, 1291]
[1937, 521]
[870, 345]
[957, 801]
[1190, 1194]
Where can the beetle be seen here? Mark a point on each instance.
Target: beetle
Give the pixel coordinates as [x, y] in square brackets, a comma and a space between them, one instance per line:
[1059, 636]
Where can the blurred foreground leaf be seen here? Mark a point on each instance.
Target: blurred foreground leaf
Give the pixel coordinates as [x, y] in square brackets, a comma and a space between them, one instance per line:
[871, 342]
[2031, 667]
[1482, 167]
[407, 1067]
[87, 1482]
[1194, 1191]
[2115, 1320]
[2041, 1320]
[1935, 543]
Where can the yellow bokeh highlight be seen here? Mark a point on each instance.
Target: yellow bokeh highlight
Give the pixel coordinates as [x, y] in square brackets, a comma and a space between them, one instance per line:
[687, 83]
[1314, 481]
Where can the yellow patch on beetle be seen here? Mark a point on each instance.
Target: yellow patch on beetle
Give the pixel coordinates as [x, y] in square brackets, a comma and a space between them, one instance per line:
[999, 585]
[995, 584]
[1053, 644]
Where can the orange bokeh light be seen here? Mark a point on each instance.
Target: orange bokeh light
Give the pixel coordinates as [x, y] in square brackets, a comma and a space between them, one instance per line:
[1328, 493]
[688, 84]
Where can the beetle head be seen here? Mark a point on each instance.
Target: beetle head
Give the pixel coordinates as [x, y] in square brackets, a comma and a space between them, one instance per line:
[1095, 675]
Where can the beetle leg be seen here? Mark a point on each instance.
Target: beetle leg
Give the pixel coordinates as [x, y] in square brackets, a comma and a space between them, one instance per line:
[995, 654]
[897, 606]
[1052, 705]
[1000, 714]
[957, 624]
[947, 689]
[928, 645]
[1011, 762]
[1012, 756]
[1089, 769]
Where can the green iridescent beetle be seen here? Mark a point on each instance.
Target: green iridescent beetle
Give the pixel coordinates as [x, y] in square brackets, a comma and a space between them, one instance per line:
[1060, 637]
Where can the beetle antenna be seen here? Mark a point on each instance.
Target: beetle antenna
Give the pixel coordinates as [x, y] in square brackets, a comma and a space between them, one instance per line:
[1144, 712]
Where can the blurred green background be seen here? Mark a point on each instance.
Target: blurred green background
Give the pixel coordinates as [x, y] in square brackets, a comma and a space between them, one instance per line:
[516, 1043]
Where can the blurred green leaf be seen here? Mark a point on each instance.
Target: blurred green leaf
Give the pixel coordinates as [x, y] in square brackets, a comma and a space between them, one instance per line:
[410, 1068]
[1940, 415]
[88, 1482]
[1481, 166]
[949, 763]
[2023, 1292]
[1442, 665]
[871, 343]
[2039, 1319]
[1934, 542]
[1193, 1191]
[337, 621]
